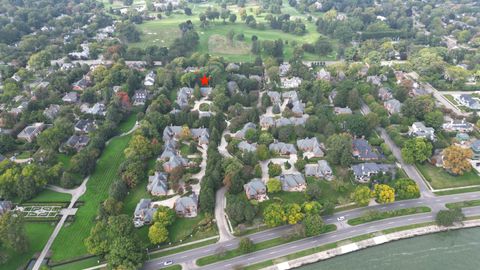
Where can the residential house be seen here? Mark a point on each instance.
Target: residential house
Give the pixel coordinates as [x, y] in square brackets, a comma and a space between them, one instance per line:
[5, 206]
[150, 79]
[97, 109]
[52, 111]
[169, 151]
[71, 97]
[205, 91]
[385, 93]
[256, 190]
[140, 97]
[288, 83]
[476, 150]
[175, 162]
[340, 110]
[247, 147]
[18, 110]
[77, 142]
[364, 171]
[171, 132]
[143, 214]
[232, 87]
[267, 121]
[297, 108]
[294, 121]
[187, 206]
[81, 84]
[362, 150]
[458, 126]
[256, 78]
[292, 182]
[324, 75]
[377, 80]
[183, 96]
[468, 101]
[310, 147]
[275, 97]
[282, 148]
[393, 106]
[283, 69]
[29, 133]
[319, 170]
[232, 67]
[331, 96]
[416, 91]
[418, 129]
[201, 135]
[85, 126]
[241, 133]
[157, 184]
[290, 96]
[2, 158]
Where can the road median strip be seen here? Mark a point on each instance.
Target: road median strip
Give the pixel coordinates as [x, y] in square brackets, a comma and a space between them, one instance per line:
[463, 204]
[375, 216]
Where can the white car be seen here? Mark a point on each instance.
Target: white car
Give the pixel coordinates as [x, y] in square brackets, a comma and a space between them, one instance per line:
[167, 263]
[342, 218]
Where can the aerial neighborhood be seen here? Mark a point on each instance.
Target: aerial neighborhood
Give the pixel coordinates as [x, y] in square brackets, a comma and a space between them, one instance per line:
[233, 134]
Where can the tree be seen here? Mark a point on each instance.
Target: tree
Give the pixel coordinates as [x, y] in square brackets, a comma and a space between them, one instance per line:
[12, 232]
[274, 169]
[449, 217]
[125, 253]
[339, 149]
[246, 245]
[456, 159]
[314, 224]
[417, 107]
[312, 207]
[434, 119]
[406, 189]
[157, 233]
[384, 193]
[274, 185]
[139, 147]
[232, 18]
[164, 216]
[416, 150]
[293, 213]
[362, 195]
[314, 191]
[265, 138]
[274, 215]
[188, 11]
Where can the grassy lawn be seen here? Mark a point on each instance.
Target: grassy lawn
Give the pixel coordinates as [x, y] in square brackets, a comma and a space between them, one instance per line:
[51, 196]
[78, 265]
[457, 191]
[388, 214]
[38, 234]
[258, 246]
[463, 204]
[173, 267]
[69, 242]
[182, 249]
[183, 227]
[128, 124]
[439, 178]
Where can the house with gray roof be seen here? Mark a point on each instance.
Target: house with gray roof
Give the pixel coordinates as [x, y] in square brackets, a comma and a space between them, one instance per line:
[362, 150]
[310, 147]
[29, 133]
[292, 182]
[241, 133]
[340, 110]
[96, 109]
[323, 75]
[232, 67]
[143, 214]
[157, 184]
[385, 93]
[275, 97]
[468, 101]
[183, 96]
[393, 106]
[247, 147]
[175, 162]
[283, 69]
[150, 79]
[71, 97]
[298, 108]
[201, 135]
[187, 206]
[291, 96]
[458, 126]
[319, 170]
[418, 129]
[256, 190]
[295, 121]
[85, 126]
[266, 121]
[52, 111]
[168, 152]
[282, 148]
[377, 80]
[205, 91]
[232, 87]
[2, 158]
[77, 142]
[364, 171]
[475, 146]
[5, 206]
[171, 132]
[140, 97]
[288, 83]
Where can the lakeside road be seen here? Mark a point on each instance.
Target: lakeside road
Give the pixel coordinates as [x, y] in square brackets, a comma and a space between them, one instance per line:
[343, 231]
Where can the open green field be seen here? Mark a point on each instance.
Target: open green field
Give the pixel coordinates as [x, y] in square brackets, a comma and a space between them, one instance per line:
[127, 124]
[78, 265]
[213, 38]
[183, 227]
[69, 242]
[439, 178]
[51, 196]
[388, 214]
[38, 234]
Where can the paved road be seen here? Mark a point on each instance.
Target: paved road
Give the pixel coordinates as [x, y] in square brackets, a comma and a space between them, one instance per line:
[220, 216]
[410, 170]
[343, 230]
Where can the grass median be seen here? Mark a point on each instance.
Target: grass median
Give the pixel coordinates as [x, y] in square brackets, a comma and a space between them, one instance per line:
[463, 204]
[375, 215]
[258, 246]
[182, 249]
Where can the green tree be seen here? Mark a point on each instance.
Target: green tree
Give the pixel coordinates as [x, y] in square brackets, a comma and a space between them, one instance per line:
[314, 224]
[274, 185]
[416, 150]
[164, 216]
[339, 149]
[274, 215]
[293, 213]
[157, 233]
[12, 232]
[246, 245]
[406, 188]
[384, 193]
[362, 195]
[449, 217]
[312, 207]
[125, 253]
[434, 119]
[274, 169]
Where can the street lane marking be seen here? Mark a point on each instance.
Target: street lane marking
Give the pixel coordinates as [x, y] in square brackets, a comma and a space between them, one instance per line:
[270, 234]
[402, 204]
[273, 252]
[391, 222]
[228, 245]
[419, 202]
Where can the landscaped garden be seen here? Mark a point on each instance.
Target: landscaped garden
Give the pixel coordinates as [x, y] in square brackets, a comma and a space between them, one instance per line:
[69, 242]
[439, 178]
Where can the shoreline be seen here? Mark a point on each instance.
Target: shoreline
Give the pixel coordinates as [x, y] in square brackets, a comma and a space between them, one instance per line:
[371, 242]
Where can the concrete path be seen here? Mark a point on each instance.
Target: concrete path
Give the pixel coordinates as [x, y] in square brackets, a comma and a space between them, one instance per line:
[221, 216]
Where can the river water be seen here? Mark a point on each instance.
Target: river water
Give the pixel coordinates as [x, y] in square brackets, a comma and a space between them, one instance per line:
[453, 250]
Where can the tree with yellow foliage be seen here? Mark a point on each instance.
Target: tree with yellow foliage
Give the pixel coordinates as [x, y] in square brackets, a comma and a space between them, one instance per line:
[384, 193]
[186, 134]
[455, 159]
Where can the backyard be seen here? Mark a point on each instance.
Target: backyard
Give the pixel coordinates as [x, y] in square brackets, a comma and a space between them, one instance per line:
[439, 178]
[69, 242]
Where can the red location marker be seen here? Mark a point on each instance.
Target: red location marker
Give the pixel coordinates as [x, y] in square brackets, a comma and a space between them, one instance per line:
[204, 80]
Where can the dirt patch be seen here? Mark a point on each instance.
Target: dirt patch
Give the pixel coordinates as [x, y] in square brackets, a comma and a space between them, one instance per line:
[220, 44]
